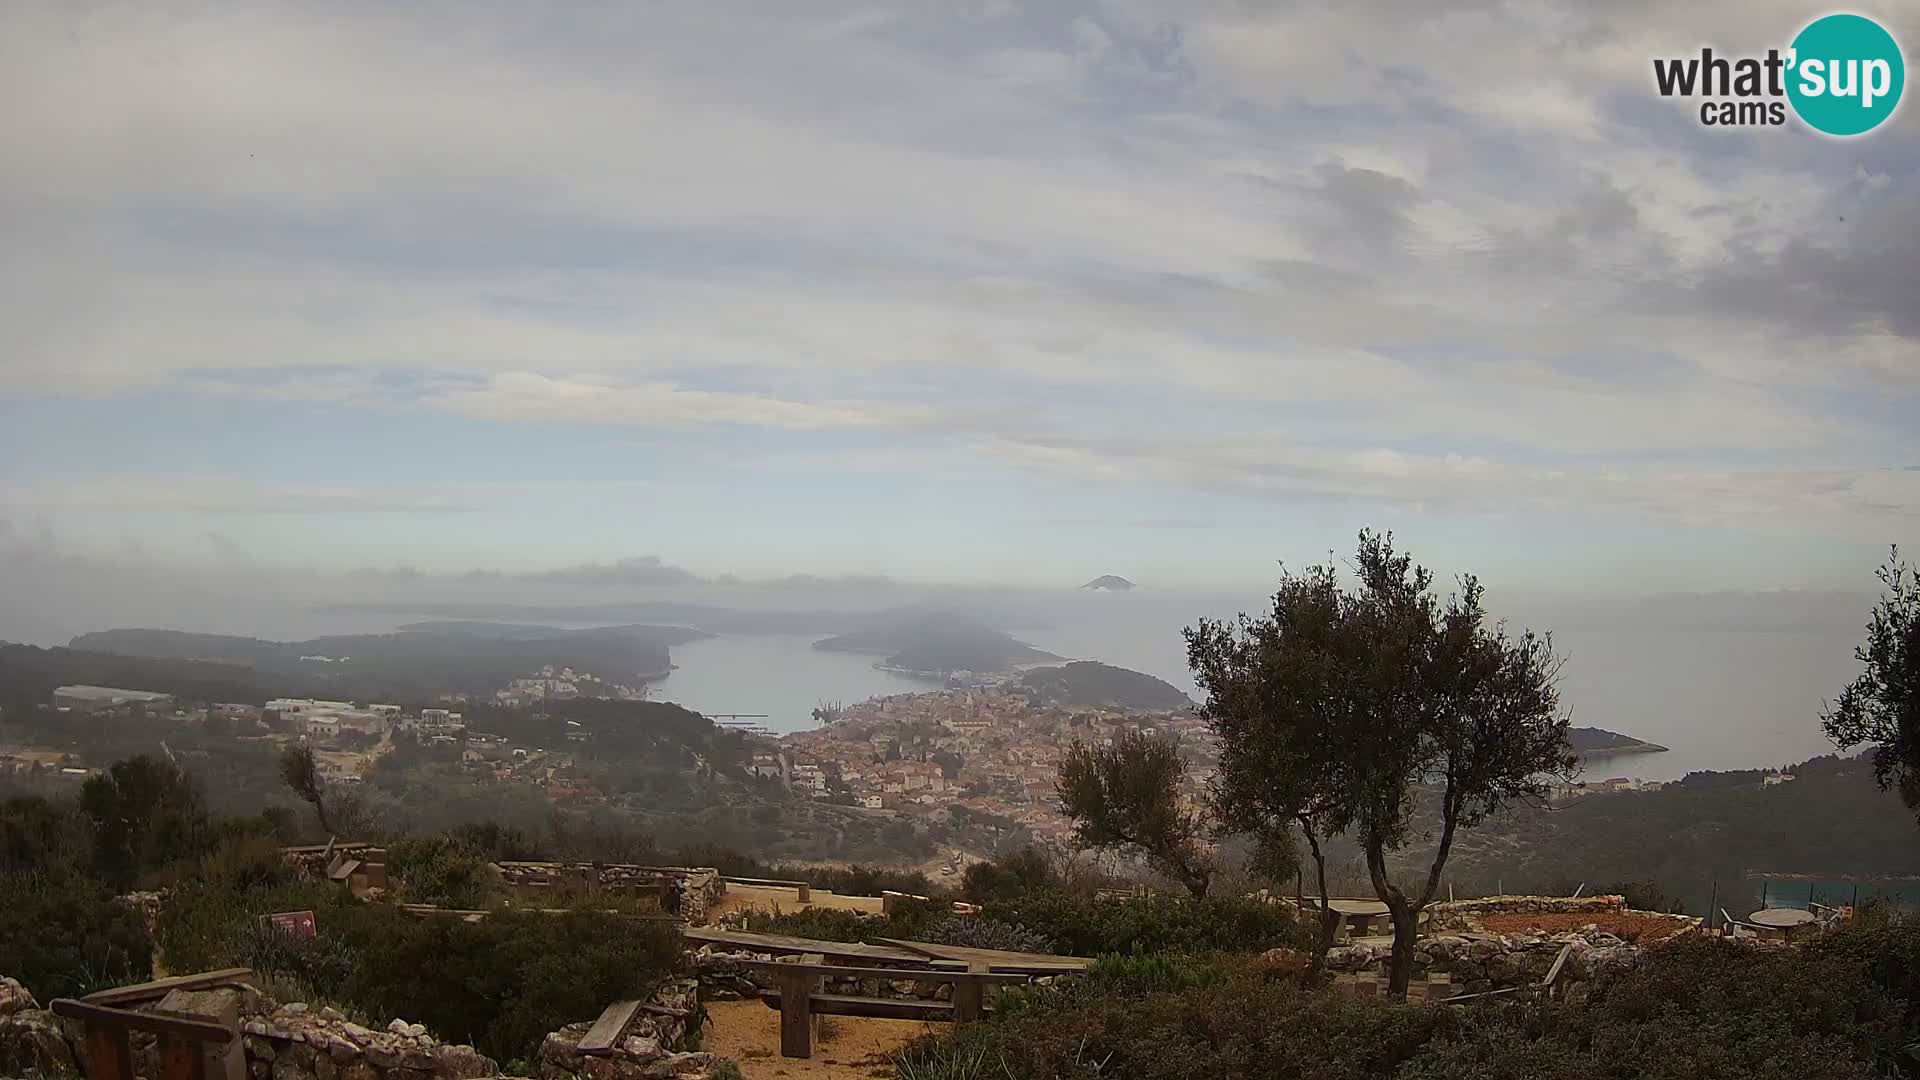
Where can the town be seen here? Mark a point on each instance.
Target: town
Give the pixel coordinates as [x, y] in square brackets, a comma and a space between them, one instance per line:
[985, 752]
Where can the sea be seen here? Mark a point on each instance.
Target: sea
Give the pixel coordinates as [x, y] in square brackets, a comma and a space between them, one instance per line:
[1717, 698]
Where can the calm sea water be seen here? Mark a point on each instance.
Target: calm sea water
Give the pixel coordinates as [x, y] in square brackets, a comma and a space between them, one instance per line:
[781, 675]
[1718, 699]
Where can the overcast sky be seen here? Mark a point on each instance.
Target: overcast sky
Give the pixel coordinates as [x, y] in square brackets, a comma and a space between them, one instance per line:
[971, 291]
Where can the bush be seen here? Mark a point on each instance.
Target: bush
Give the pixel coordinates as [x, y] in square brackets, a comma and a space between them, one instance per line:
[910, 919]
[442, 870]
[1025, 871]
[1083, 926]
[501, 983]
[1700, 1008]
[65, 936]
[983, 933]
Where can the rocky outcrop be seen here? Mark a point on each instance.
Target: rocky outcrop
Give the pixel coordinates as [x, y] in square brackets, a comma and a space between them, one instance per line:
[33, 1042]
[1481, 962]
[651, 1046]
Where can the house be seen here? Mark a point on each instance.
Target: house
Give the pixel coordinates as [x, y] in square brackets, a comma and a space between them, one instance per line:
[873, 802]
[1776, 779]
[321, 726]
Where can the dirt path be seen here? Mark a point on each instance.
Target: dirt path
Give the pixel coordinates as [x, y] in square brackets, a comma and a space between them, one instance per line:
[856, 1048]
[742, 897]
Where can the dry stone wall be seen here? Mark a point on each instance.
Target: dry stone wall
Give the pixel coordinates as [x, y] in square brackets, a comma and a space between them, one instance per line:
[1463, 914]
[300, 1042]
[1480, 962]
[652, 1044]
[700, 886]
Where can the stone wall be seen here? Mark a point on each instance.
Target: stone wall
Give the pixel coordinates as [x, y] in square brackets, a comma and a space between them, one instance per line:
[294, 1042]
[1481, 962]
[653, 1044]
[299, 1042]
[314, 860]
[1459, 914]
[700, 886]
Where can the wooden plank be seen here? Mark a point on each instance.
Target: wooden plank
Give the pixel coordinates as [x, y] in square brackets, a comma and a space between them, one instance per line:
[605, 1033]
[878, 1008]
[159, 988]
[181, 1059]
[917, 974]
[1558, 963]
[123, 1020]
[796, 1013]
[1463, 998]
[782, 944]
[997, 959]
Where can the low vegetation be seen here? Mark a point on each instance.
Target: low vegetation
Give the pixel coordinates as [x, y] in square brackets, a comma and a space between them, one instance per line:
[1697, 1010]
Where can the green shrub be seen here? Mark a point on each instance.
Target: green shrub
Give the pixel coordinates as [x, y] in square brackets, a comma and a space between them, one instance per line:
[1701, 1009]
[442, 870]
[501, 983]
[65, 936]
[982, 933]
[910, 919]
[1083, 926]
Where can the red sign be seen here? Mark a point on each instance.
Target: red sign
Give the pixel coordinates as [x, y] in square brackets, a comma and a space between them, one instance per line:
[296, 924]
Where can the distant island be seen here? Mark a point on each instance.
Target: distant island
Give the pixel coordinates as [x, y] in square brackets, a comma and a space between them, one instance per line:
[1088, 682]
[938, 644]
[1599, 742]
[417, 663]
[1109, 583]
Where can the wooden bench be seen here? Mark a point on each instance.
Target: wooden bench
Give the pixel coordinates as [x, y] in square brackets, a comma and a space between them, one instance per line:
[798, 998]
[108, 1020]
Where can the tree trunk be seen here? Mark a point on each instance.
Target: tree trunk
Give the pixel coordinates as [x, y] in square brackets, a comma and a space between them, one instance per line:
[1406, 920]
[1197, 883]
[1406, 931]
[1329, 919]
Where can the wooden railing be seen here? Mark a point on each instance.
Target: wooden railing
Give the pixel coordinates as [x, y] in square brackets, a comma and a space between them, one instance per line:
[109, 1019]
[799, 999]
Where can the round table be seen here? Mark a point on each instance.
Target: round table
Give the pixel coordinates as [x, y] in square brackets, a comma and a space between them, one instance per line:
[1785, 920]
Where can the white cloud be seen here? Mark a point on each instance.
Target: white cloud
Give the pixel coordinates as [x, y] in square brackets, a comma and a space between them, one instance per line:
[1459, 230]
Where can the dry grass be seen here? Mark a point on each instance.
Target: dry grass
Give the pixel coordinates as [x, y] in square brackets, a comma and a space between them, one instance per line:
[1631, 926]
[862, 1048]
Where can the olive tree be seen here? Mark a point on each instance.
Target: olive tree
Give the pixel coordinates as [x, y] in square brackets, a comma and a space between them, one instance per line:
[1127, 796]
[1882, 705]
[1268, 685]
[1351, 704]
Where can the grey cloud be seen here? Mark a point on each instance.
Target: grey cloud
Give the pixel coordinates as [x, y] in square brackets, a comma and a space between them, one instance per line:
[640, 570]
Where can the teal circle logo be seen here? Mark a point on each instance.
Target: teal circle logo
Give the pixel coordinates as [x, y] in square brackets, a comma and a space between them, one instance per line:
[1845, 74]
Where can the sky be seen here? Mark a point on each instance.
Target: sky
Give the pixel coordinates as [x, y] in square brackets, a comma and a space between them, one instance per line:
[977, 291]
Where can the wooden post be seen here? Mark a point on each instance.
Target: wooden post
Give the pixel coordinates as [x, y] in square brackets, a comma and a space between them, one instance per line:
[796, 1021]
[969, 996]
[806, 892]
[1713, 905]
[109, 1053]
[181, 1059]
